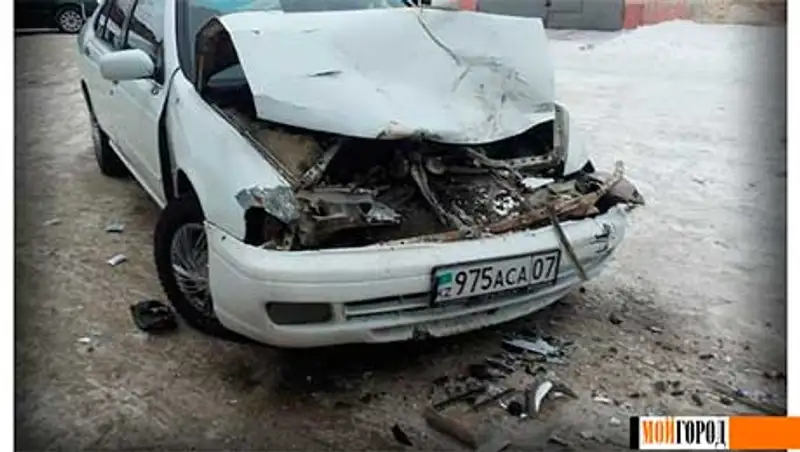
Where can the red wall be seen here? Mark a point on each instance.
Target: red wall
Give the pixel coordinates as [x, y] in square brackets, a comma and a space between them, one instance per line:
[647, 12]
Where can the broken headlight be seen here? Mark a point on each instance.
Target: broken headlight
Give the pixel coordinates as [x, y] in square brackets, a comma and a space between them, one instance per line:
[262, 228]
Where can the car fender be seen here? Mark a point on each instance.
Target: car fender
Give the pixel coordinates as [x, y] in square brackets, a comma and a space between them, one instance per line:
[218, 160]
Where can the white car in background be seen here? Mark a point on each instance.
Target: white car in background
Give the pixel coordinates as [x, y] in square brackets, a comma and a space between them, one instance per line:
[350, 170]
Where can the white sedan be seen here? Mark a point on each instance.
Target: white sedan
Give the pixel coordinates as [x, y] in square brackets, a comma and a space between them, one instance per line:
[349, 170]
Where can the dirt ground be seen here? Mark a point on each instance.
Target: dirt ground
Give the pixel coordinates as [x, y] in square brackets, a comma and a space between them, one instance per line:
[696, 292]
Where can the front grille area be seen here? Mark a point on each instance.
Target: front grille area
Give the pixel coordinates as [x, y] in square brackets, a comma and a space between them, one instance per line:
[420, 304]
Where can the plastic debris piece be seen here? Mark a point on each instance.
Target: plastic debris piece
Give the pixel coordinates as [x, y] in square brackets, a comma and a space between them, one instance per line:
[603, 400]
[538, 346]
[401, 436]
[52, 222]
[116, 228]
[153, 316]
[540, 391]
[117, 259]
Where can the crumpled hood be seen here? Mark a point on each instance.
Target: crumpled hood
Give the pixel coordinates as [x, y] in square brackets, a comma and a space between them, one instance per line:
[448, 76]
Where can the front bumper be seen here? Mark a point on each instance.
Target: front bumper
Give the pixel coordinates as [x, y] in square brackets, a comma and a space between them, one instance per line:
[381, 293]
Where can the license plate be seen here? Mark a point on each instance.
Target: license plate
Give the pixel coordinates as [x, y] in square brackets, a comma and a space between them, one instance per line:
[489, 276]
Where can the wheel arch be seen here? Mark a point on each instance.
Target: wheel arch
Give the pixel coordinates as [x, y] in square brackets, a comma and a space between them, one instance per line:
[177, 180]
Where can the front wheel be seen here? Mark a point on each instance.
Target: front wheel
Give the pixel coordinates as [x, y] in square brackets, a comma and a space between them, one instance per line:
[181, 255]
[69, 19]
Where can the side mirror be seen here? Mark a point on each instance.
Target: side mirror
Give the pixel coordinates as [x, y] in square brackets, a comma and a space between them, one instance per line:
[129, 64]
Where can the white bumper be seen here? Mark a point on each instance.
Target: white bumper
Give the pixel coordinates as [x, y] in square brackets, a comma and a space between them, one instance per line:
[380, 293]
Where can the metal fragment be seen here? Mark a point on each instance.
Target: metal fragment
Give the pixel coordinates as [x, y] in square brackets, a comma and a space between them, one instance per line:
[493, 394]
[280, 202]
[314, 174]
[117, 259]
[497, 364]
[459, 397]
[562, 237]
[539, 346]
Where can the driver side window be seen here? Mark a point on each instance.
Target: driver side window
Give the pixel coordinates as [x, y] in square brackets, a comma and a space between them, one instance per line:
[145, 31]
[110, 21]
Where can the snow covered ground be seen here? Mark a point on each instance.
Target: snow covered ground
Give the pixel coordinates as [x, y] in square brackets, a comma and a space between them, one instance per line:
[697, 114]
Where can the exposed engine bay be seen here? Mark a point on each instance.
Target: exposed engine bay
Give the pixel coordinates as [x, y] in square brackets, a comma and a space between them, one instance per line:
[398, 187]
[350, 192]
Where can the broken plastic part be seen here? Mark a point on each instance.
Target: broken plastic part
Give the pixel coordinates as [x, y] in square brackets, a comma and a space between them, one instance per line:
[329, 211]
[278, 201]
[153, 316]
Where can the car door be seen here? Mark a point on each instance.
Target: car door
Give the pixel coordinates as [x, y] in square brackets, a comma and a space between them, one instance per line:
[139, 103]
[101, 38]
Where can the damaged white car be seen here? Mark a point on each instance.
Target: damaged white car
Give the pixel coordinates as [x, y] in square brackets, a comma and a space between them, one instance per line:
[347, 171]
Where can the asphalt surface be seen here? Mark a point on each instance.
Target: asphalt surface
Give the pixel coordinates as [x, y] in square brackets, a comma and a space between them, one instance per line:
[696, 292]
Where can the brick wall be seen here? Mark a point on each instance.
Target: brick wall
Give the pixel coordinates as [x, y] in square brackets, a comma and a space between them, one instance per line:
[756, 12]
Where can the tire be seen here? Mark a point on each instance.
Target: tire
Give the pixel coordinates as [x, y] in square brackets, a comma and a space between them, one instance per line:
[109, 162]
[69, 19]
[184, 215]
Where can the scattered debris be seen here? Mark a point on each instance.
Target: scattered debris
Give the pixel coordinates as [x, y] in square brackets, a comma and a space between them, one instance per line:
[483, 372]
[586, 435]
[535, 395]
[655, 329]
[492, 394]
[401, 436]
[85, 340]
[661, 386]
[706, 356]
[774, 375]
[450, 427]
[696, 399]
[117, 259]
[559, 387]
[52, 222]
[614, 318]
[554, 439]
[153, 316]
[725, 400]
[538, 346]
[614, 421]
[726, 391]
[459, 397]
[499, 365]
[115, 228]
[603, 400]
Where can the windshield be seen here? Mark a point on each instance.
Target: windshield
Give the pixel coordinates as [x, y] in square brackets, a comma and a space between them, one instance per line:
[195, 13]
